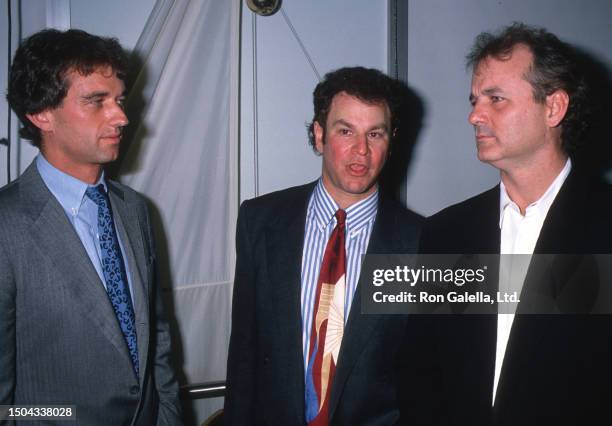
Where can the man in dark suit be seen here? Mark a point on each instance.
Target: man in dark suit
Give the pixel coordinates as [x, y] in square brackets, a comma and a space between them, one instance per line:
[524, 368]
[283, 240]
[81, 319]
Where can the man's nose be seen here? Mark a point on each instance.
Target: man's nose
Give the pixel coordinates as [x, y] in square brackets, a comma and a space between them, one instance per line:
[361, 145]
[477, 115]
[118, 117]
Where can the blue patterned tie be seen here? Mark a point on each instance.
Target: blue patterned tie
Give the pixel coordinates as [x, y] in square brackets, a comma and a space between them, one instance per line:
[113, 269]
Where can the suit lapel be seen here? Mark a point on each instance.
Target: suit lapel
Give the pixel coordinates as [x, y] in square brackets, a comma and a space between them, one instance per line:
[359, 327]
[561, 233]
[481, 235]
[485, 229]
[131, 234]
[284, 245]
[57, 240]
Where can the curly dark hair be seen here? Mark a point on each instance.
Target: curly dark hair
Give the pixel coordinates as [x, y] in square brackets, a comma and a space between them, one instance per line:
[37, 79]
[554, 67]
[367, 84]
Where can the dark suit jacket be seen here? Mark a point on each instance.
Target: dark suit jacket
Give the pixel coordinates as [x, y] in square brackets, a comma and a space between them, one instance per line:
[557, 368]
[265, 373]
[59, 337]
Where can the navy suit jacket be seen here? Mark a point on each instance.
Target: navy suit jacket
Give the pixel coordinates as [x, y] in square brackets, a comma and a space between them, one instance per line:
[557, 368]
[265, 374]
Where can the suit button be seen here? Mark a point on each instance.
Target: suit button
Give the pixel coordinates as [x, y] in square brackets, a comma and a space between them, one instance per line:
[134, 390]
[266, 360]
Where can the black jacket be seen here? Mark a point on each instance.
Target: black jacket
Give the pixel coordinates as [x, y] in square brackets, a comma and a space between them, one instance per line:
[265, 372]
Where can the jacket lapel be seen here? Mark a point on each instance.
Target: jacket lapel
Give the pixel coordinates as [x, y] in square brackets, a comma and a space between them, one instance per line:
[485, 229]
[562, 231]
[471, 339]
[560, 234]
[57, 240]
[284, 245]
[359, 327]
[131, 234]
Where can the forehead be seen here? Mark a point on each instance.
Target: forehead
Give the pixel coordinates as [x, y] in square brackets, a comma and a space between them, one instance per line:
[346, 106]
[101, 79]
[511, 67]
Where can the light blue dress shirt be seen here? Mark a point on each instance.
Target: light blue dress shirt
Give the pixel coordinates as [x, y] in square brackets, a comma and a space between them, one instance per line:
[82, 213]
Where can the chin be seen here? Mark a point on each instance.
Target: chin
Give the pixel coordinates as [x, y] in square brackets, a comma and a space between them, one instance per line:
[487, 155]
[358, 189]
[108, 158]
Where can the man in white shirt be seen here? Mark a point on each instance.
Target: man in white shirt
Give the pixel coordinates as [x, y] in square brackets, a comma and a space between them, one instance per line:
[528, 101]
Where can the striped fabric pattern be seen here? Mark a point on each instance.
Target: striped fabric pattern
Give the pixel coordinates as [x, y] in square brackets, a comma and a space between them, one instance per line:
[320, 222]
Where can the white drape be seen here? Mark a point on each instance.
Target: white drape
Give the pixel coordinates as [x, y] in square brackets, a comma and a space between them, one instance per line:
[183, 157]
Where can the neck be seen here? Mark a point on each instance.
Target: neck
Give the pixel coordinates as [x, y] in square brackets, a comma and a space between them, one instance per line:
[526, 185]
[345, 199]
[88, 173]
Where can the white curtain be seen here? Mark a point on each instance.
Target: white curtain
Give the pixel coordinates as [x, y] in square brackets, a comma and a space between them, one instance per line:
[183, 155]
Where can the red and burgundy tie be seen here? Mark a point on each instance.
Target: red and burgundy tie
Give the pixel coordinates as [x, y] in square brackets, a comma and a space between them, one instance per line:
[327, 326]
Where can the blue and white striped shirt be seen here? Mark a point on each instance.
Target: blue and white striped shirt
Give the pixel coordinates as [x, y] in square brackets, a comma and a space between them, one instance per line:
[320, 222]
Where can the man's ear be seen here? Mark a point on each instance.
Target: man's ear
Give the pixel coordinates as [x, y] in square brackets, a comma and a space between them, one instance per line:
[319, 134]
[42, 120]
[556, 107]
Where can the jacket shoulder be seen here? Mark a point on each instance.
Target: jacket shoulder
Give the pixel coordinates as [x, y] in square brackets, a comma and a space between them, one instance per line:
[469, 210]
[404, 214]
[13, 208]
[469, 226]
[15, 198]
[269, 206]
[9, 195]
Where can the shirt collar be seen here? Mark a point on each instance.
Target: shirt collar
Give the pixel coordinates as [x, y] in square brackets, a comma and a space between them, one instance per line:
[323, 209]
[68, 190]
[540, 206]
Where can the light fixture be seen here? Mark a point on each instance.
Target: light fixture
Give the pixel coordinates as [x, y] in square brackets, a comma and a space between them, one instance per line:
[264, 7]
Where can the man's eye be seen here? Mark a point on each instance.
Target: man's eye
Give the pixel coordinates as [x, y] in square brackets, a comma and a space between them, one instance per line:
[374, 135]
[496, 99]
[121, 103]
[345, 132]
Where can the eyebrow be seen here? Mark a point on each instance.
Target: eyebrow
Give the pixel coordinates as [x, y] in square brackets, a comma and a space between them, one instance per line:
[92, 95]
[99, 94]
[492, 90]
[487, 92]
[381, 126]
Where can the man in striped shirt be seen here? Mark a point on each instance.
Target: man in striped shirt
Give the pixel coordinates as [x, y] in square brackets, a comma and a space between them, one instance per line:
[281, 241]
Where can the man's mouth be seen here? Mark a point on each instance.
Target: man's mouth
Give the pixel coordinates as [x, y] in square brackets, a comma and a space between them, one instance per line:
[483, 133]
[357, 169]
[114, 137]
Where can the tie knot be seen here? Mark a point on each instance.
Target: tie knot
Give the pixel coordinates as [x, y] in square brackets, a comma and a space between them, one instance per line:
[96, 194]
[340, 217]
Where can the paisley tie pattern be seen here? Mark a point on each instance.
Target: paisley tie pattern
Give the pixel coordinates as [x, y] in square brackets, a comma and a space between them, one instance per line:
[113, 269]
